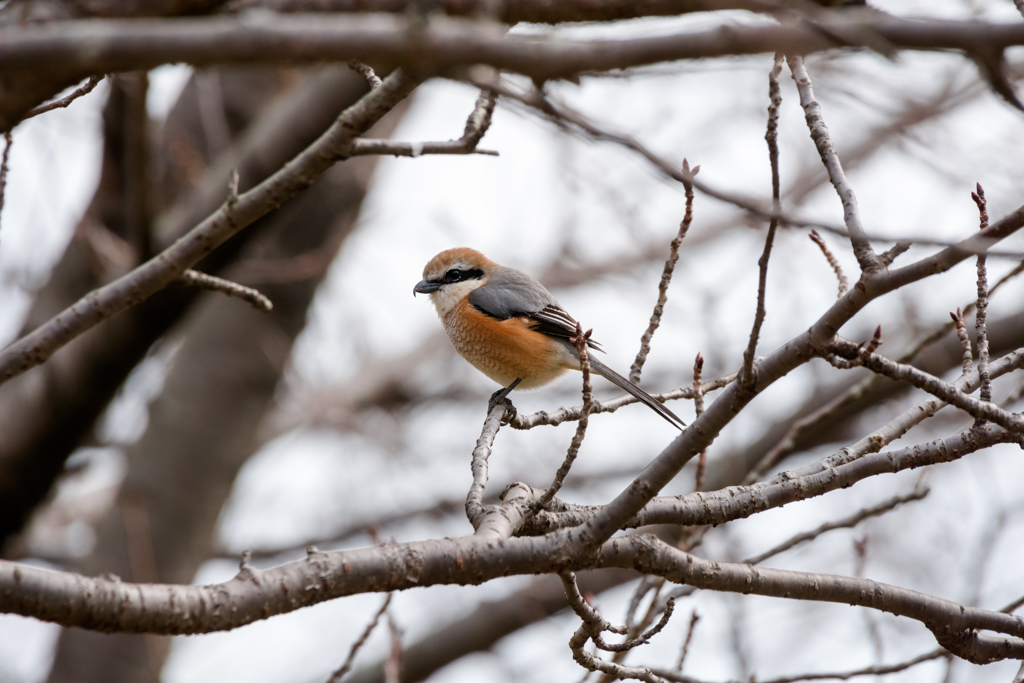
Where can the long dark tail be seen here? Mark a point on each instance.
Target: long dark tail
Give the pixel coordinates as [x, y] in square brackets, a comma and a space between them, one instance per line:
[641, 395]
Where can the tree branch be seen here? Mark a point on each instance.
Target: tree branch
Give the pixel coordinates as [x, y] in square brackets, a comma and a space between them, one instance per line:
[866, 257]
[106, 46]
[109, 604]
[748, 376]
[666, 277]
[166, 267]
[89, 86]
[193, 278]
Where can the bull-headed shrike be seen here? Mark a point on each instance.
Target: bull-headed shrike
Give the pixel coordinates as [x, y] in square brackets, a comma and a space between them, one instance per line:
[509, 327]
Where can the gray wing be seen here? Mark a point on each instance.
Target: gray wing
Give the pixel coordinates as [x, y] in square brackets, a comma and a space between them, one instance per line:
[510, 293]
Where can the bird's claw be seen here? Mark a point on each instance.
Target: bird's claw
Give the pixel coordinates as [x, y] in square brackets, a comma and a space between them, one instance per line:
[501, 398]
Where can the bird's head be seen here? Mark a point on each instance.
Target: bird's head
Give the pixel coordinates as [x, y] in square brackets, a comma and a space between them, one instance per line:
[450, 276]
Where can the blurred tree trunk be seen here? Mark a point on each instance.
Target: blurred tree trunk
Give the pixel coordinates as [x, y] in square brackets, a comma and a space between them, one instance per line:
[204, 425]
[50, 410]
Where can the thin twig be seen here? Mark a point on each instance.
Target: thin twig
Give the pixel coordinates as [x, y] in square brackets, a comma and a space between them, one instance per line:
[980, 410]
[845, 523]
[393, 665]
[193, 278]
[747, 377]
[562, 115]
[1019, 678]
[3, 167]
[980, 325]
[591, 629]
[479, 120]
[666, 277]
[645, 586]
[967, 363]
[844, 284]
[1013, 606]
[65, 101]
[694, 618]
[610, 406]
[890, 255]
[788, 443]
[477, 124]
[866, 257]
[698, 406]
[580, 340]
[643, 638]
[842, 676]
[968, 308]
[366, 72]
[356, 646]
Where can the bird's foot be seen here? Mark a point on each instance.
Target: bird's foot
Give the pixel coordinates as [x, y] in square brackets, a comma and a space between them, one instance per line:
[501, 398]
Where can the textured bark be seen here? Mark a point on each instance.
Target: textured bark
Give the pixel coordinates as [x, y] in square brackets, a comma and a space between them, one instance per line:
[203, 427]
[105, 604]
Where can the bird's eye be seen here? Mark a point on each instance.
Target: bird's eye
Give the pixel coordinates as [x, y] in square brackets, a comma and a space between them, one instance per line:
[453, 275]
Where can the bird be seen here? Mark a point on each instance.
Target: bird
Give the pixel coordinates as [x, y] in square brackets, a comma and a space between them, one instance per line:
[509, 327]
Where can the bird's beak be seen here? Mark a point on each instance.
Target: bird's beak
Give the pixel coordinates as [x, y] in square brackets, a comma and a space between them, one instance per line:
[424, 287]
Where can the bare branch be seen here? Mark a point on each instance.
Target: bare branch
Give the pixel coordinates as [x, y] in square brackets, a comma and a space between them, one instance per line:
[788, 443]
[573, 413]
[166, 267]
[979, 320]
[115, 45]
[841, 675]
[698, 408]
[193, 278]
[844, 284]
[366, 72]
[358, 645]
[531, 11]
[477, 124]
[845, 523]
[643, 638]
[561, 114]
[944, 329]
[89, 86]
[580, 340]
[820, 335]
[666, 277]
[890, 255]
[966, 364]
[748, 377]
[866, 257]
[694, 618]
[840, 470]
[111, 605]
[4, 167]
[979, 409]
[479, 120]
[475, 508]
[393, 665]
[592, 628]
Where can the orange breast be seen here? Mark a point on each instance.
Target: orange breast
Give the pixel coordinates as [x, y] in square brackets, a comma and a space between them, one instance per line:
[506, 350]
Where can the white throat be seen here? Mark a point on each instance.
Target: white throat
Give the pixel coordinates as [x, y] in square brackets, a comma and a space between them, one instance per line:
[446, 298]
